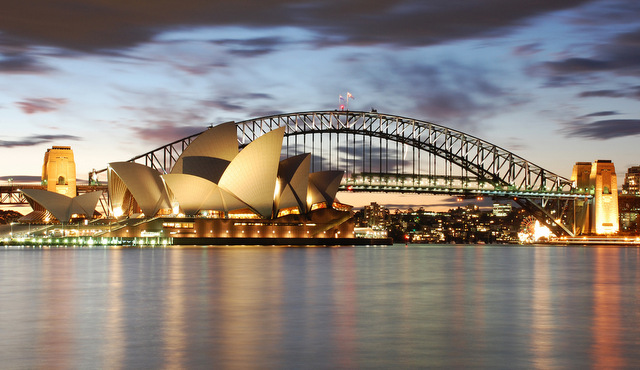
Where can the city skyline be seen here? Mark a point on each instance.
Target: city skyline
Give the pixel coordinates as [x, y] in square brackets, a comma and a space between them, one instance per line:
[556, 82]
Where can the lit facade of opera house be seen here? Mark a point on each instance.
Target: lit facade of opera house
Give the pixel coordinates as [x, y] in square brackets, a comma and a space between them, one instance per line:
[215, 190]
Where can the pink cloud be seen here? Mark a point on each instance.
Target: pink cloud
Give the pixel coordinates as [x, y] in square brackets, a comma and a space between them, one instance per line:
[40, 105]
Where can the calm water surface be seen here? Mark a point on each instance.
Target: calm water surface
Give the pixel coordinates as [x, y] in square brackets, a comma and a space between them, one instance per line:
[349, 307]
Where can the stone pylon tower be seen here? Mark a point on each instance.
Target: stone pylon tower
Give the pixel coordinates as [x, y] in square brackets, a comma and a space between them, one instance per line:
[600, 214]
[59, 171]
[605, 218]
[581, 178]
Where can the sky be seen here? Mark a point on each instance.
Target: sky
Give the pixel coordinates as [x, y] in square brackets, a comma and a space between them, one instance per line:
[554, 81]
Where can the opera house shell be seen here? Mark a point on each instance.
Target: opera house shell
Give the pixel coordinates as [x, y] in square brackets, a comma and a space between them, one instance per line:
[216, 190]
[60, 206]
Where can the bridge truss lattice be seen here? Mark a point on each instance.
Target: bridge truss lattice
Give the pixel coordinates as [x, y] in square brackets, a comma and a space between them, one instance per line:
[388, 153]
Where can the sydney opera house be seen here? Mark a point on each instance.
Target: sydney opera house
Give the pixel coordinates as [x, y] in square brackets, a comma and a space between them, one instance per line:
[215, 190]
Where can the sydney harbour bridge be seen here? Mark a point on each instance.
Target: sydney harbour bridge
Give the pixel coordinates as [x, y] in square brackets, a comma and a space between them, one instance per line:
[387, 153]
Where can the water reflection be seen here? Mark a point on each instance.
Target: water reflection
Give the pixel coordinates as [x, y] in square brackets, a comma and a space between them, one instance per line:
[261, 307]
[542, 313]
[606, 348]
[114, 312]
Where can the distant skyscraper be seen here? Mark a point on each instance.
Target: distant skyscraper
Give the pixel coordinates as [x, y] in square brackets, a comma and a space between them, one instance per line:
[59, 171]
[631, 183]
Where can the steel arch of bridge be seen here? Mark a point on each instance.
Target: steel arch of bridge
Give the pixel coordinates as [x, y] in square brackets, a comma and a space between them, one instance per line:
[389, 153]
[338, 141]
[482, 167]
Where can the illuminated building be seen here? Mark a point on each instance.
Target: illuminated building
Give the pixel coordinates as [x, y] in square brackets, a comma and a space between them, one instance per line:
[59, 171]
[581, 178]
[215, 190]
[605, 218]
[61, 206]
[501, 209]
[581, 175]
[631, 183]
[58, 198]
[600, 215]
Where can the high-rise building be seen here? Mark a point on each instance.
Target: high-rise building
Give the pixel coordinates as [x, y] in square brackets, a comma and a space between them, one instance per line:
[59, 171]
[375, 215]
[631, 183]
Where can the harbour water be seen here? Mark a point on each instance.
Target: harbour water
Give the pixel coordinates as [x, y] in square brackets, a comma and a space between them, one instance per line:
[442, 306]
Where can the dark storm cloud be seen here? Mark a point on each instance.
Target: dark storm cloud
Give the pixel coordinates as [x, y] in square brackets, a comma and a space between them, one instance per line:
[235, 102]
[601, 114]
[452, 94]
[252, 47]
[40, 105]
[264, 112]
[13, 62]
[36, 140]
[633, 92]
[577, 65]
[80, 25]
[223, 104]
[606, 129]
[620, 56]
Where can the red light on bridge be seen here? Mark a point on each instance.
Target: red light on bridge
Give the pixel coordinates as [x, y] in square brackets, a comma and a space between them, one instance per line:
[349, 188]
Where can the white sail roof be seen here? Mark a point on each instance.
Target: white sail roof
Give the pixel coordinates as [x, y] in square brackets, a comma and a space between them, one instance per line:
[293, 175]
[62, 206]
[251, 176]
[195, 193]
[323, 187]
[220, 141]
[145, 186]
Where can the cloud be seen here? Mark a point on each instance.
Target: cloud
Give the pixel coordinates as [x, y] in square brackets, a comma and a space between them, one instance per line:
[601, 114]
[252, 47]
[237, 102]
[21, 63]
[36, 140]
[578, 65]
[166, 131]
[449, 92]
[604, 130]
[528, 49]
[223, 104]
[621, 56]
[120, 24]
[162, 121]
[632, 92]
[40, 105]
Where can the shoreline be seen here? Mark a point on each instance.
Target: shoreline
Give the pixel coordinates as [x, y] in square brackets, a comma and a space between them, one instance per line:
[160, 241]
